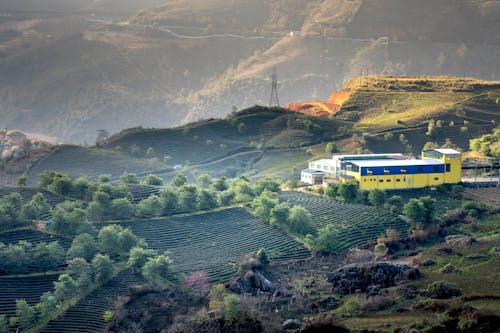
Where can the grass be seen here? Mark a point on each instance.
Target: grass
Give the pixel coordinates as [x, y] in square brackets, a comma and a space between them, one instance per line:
[384, 322]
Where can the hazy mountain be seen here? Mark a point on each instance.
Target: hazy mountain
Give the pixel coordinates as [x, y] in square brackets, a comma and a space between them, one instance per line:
[186, 60]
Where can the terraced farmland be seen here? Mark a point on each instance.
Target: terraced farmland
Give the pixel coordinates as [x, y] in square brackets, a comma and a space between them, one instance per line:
[28, 192]
[33, 236]
[356, 224]
[213, 242]
[87, 314]
[28, 288]
[486, 195]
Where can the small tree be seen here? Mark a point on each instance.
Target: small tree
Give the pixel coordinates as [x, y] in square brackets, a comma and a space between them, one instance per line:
[25, 314]
[220, 184]
[204, 181]
[206, 200]
[188, 197]
[65, 287]
[138, 257]
[331, 147]
[299, 220]
[104, 178]
[168, 200]
[121, 209]
[153, 180]
[279, 215]
[348, 191]
[69, 219]
[48, 256]
[157, 269]
[129, 178]
[150, 152]
[262, 257]
[149, 207]
[414, 210]
[199, 282]
[179, 180]
[216, 296]
[263, 204]
[47, 304]
[80, 271]
[83, 246]
[102, 267]
[233, 310]
[21, 181]
[376, 197]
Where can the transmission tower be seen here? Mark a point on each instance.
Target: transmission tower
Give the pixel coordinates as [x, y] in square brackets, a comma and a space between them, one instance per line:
[274, 100]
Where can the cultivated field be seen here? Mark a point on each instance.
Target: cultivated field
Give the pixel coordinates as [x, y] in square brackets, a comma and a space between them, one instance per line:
[356, 224]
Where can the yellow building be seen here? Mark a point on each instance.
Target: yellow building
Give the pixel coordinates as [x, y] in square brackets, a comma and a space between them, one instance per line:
[437, 166]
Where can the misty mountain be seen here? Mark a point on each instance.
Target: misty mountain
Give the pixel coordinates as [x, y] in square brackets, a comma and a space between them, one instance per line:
[186, 60]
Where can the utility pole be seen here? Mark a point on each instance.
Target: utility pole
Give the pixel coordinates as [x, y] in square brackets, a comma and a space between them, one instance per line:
[274, 100]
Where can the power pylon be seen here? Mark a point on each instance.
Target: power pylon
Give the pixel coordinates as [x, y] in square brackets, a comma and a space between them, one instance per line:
[274, 100]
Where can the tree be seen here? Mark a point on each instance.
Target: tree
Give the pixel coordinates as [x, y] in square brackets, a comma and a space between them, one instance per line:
[216, 296]
[220, 184]
[199, 282]
[82, 188]
[25, 314]
[266, 184]
[127, 240]
[138, 257]
[168, 200]
[188, 197]
[80, 271]
[331, 147]
[331, 191]
[46, 178]
[262, 257]
[179, 180]
[40, 204]
[122, 209]
[83, 246]
[206, 200]
[327, 238]
[429, 208]
[348, 191]
[279, 214]
[62, 184]
[233, 310]
[129, 178]
[153, 180]
[104, 178]
[204, 181]
[17, 257]
[48, 256]
[263, 204]
[226, 198]
[376, 197]
[414, 210]
[157, 269]
[65, 287]
[149, 207]
[150, 152]
[394, 204]
[21, 181]
[102, 136]
[431, 128]
[299, 220]
[102, 267]
[69, 219]
[243, 190]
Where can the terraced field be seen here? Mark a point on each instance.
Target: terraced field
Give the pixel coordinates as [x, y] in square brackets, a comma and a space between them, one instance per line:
[33, 236]
[355, 224]
[28, 288]
[28, 192]
[213, 242]
[87, 314]
[487, 195]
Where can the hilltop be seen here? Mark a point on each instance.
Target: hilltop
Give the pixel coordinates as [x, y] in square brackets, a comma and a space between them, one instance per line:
[182, 61]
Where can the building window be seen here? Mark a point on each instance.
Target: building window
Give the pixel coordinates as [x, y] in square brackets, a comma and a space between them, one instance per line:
[436, 178]
[369, 172]
[387, 170]
[420, 170]
[448, 167]
[388, 180]
[381, 181]
[403, 170]
[398, 180]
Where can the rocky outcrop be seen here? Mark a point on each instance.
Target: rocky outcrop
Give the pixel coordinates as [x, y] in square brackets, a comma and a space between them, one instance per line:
[364, 277]
[252, 282]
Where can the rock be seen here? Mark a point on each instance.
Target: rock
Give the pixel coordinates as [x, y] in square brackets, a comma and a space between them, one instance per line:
[251, 282]
[449, 269]
[428, 262]
[354, 277]
[475, 256]
[459, 240]
[291, 324]
[441, 290]
[495, 251]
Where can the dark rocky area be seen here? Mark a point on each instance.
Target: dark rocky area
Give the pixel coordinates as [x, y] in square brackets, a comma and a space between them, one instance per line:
[365, 277]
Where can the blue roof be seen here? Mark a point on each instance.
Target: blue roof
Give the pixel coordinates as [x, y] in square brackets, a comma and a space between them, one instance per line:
[399, 163]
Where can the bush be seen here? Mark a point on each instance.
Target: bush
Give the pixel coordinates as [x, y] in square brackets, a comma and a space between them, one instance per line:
[442, 290]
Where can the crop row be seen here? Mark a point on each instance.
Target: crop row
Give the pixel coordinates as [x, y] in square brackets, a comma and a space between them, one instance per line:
[354, 224]
[28, 288]
[28, 192]
[213, 242]
[33, 236]
[87, 314]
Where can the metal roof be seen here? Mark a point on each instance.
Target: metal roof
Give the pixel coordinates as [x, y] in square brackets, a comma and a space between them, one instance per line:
[445, 151]
[389, 163]
[314, 172]
[326, 161]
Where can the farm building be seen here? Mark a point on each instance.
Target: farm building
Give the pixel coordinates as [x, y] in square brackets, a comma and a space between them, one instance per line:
[395, 171]
[312, 177]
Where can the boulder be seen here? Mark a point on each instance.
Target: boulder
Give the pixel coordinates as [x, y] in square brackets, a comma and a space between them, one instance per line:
[428, 262]
[351, 278]
[291, 324]
[252, 282]
[459, 240]
[449, 269]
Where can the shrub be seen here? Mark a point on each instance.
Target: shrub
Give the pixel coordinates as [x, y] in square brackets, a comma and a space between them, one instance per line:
[442, 290]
